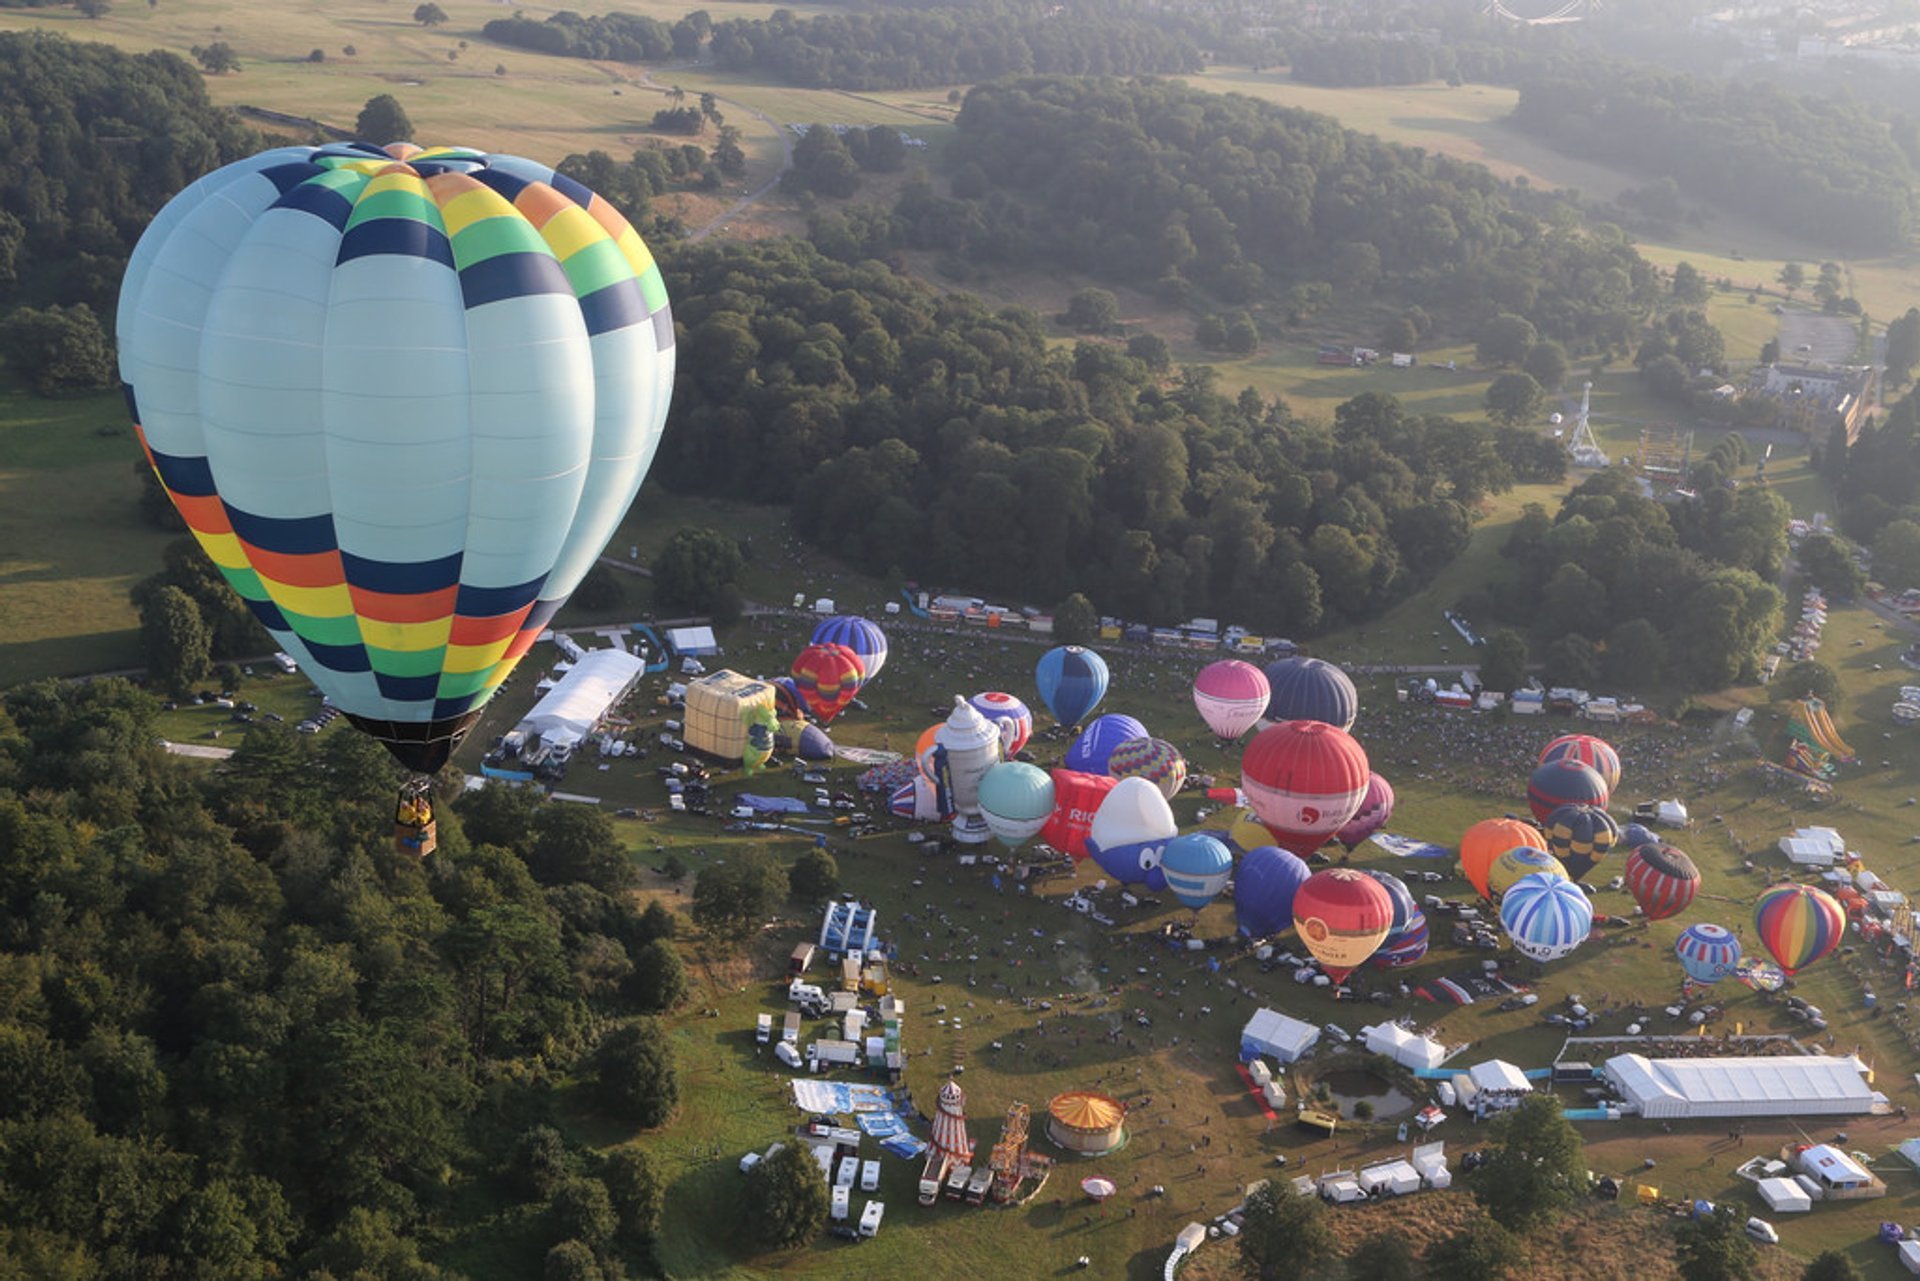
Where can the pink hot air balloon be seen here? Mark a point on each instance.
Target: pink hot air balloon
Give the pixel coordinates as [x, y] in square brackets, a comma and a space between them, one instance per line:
[1231, 697]
[1374, 811]
[1304, 779]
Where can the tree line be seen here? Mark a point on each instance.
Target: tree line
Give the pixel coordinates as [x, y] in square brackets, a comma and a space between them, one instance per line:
[1807, 165]
[1878, 480]
[616, 37]
[930, 435]
[1353, 59]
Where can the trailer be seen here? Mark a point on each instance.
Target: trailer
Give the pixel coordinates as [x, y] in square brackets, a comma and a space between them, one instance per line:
[870, 1218]
[801, 959]
[841, 1200]
[957, 1181]
[763, 1029]
[790, 1030]
[843, 1053]
[977, 1186]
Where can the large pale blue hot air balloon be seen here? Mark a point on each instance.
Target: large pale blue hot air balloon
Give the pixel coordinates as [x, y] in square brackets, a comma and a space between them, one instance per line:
[402, 397]
[1545, 918]
[1016, 799]
[1263, 891]
[1197, 867]
[1707, 952]
[1072, 681]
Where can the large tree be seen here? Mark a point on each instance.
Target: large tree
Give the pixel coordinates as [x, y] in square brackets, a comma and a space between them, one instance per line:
[635, 1076]
[814, 876]
[1505, 340]
[1283, 1234]
[1503, 663]
[58, 349]
[429, 14]
[786, 1201]
[732, 898]
[1536, 1167]
[659, 980]
[175, 640]
[1483, 1250]
[1714, 1247]
[1514, 399]
[1076, 621]
[383, 120]
[1896, 554]
[694, 565]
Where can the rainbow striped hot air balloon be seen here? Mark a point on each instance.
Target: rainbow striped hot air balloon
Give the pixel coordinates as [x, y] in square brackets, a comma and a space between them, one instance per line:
[1154, 759]
[402, 397]
[1708, 953]
[1798, 925]
[1662, 880]
[827, 677]
[1545, 918]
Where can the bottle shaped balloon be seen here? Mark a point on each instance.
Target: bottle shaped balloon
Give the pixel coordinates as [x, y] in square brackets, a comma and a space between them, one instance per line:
[965, 748]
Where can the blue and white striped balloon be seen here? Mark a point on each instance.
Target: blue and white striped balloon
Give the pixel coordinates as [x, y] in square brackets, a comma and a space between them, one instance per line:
[1545, 918]
[1197, 867]
[1708, 953]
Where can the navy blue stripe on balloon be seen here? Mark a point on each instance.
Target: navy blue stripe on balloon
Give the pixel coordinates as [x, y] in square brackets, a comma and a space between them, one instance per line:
[501, 181]
[133, 404]
[340, 658]
[322, 202]
[401, 578]
[491, 602]
[191, 477]
[617, 306]
[289, 536]
[408, 689]
[572, 189]
[448, 707]
[269, 615]
[285, 177]
[506, 276]
[408, 237]
[663, 329]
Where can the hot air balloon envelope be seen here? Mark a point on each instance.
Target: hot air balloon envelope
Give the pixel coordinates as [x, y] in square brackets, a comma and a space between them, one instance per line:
[1310, 689]
[812, 744]
[1487, 840]
[1342, 916]
[1596, 753]
[1304, 779]
[1798, 925]
[827, 677]
[1016, 799]
[1662, 880]
[1130, 833]
[1244, 832]
[1708, 953]
[1197, 867]
[1564, 782]
[1406, 945]
[1401, 897]
[1154, 759]
[1519, 862]
[1545, 918]
[1072, 681]
[1076, 799]
[1376, 807]
[1580, 836]
[401, 398]
[864, 638]
[1231, 697]
[1095, 746]
[1010, 716]
[1264, 888]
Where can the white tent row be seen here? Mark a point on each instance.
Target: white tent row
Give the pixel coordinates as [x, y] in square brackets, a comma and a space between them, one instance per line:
[1783, 1085]
[595, 684]
[1407, 1048]
[1274, 1033]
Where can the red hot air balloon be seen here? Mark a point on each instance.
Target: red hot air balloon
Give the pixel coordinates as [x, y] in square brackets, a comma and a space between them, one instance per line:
[827, 677]
[1304, 779]
[1342, 915]
[1564, 782]
[1662, 880]
[1076, 799]
[1595, 753]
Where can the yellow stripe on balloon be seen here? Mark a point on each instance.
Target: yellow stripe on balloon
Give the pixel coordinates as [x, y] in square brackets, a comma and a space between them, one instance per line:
[223, 550]
[475, 658]
[315, 602]
[395, 179]
[405, 637]
[570, 231]
[638, 256]
[471, 205]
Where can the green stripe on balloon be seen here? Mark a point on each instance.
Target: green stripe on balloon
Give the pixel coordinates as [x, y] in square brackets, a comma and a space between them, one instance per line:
[490, 237]
[407, 662]
[594, 266]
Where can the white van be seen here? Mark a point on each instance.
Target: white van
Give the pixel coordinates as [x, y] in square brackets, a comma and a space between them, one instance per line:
[849, 1171]
[870, 1218]
[869, 1176]
[787, 1054]
[841, 1198]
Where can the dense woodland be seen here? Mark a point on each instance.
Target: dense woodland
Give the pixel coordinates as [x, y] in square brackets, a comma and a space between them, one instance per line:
[241, 1037]
[1164, 186]
[1809, 166]
[933, 436]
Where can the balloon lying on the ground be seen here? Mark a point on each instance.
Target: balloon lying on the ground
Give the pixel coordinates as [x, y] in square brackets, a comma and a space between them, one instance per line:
[1016, 799]
[1798, 925]
[1343, 916]
[1580, 836]
[1759, 974]
[1130, 833]
[1398, 893]
[1376, 807]
[827, 677]
[1095, 746]
[1662, 880]
[401, 397]
[1708, 953]
[1404, 946]
[921, 800]
[1072, 680]
[1564, 782]
[1634, 835]
[1243, 831]
[1197, 866]
[1264, 888]
[1545, 918]
[1010, 716]
[860, 635]
[1076, 800]
[1310, 689]
[1154, 759]
[1231, 697]
[1487, 840]
[1595, 753]
[787, 703]
[808, 742]
[1305, 779]
[1516, 863]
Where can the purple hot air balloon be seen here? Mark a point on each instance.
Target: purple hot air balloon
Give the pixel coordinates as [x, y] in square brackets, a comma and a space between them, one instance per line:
[1372, 815]
[1091, 751]
[1264, 887]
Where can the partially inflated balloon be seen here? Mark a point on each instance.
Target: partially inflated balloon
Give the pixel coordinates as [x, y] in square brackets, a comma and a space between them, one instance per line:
[786, 699]
[812, 744]
[1343, 916]
[1406, 945]
[1518, 862]
[1397, 891]
[1798, 925]
[1564, 782]
[1304, 779]
[1231, 697]
[827, 677]
[1487, 840]
[1662, 880]
[864, 638]
[1311, 689]
[1130, 833]
[1546, 918]
[1072, 681]
[1197, 867]
[1076, 800]
[1095, 746]
[1263, 890]
[1016, 799]
[923, 747]
[1154, 759]
[1010, 716]
[1595, 753]
[1243, 831]
[1375, 809]
[1580, 836]
[402, 398]
[1708, 953]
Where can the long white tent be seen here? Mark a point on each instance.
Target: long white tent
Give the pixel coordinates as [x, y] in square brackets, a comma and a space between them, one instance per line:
[572, 709]
[1783, 1085]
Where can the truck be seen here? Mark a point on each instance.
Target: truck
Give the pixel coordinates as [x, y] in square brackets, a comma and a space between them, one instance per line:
[842, 1053]
[801, 959]
[870, 1218]
[957, 1181]
[929, 1191]
[977, 1186]
[790, 1030]
[763, 1029]
[799, 993]
[869, 1176]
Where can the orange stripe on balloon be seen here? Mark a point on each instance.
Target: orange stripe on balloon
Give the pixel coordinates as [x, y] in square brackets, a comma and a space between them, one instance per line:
[539, 202]
[204, 514]
[486, 631]
[407, 607]
[521, 644]
[602, 211]
[303, 569]
[402, 150]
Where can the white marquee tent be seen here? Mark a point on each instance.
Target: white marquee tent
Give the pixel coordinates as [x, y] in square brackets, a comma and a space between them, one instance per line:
[1271, 1032]
[1784, 1085]
[569, 711]
[1408, 1049]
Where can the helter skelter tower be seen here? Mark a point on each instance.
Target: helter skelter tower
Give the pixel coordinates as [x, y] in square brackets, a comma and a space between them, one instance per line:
[951, 1146]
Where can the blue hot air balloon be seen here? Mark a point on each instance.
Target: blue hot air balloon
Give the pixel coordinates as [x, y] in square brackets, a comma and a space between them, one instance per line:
[1406, 945]
[1197, 867]
[1094, 748]
[1072, 681]
[1264, 888]
[864, 638]
[1708, 953]
[1404, 907]
[1311, 689]
[1545, 918]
